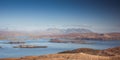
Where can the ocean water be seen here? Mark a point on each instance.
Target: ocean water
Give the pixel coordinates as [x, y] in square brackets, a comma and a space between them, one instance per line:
[7, 50]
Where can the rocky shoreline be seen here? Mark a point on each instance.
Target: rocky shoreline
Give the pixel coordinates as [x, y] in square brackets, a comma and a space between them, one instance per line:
[70, 41]
[77, 54]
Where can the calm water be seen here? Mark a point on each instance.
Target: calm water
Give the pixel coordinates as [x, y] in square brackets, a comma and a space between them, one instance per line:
[7, 50]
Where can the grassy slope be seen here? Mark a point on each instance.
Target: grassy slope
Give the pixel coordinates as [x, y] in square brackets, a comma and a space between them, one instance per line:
[77, 54]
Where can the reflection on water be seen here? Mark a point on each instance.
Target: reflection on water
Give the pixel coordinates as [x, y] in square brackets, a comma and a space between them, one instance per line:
[7, 50]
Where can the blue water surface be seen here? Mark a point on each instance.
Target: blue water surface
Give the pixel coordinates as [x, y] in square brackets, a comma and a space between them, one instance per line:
[7, 50]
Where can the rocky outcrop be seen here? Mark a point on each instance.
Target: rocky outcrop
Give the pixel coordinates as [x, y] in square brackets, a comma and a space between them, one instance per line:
[83, 50]
[112, 51]
[107, 52]
[29, 46]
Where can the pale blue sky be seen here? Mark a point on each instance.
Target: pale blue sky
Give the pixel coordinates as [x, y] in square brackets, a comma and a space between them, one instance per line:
[99, 16]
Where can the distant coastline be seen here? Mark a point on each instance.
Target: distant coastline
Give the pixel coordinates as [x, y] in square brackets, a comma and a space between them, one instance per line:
[81, 36]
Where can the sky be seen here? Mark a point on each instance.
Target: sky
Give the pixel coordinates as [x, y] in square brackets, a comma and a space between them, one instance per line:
[96, 15]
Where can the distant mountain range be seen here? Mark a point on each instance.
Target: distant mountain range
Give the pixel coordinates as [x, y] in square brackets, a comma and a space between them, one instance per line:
[73, 30]
[69, 30]
[50, 31]
[83, 34]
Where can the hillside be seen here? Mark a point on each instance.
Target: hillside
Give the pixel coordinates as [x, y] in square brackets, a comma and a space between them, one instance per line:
[82, 34]
[107, 52]
[77, 54]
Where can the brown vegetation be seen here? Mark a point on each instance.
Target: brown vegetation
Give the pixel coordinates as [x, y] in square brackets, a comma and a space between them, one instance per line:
[107, 52]
[78, 54]
[75, 56]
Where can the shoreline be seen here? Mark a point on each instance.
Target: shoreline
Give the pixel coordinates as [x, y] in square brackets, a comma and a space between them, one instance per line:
[76, 54]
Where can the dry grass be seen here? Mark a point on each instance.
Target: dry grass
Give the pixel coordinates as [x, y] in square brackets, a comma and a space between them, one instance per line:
[77, 54]
[74, 56]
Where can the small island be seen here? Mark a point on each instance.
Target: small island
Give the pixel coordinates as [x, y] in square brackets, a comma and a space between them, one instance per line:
[29, 46]
[15, 43]
[70, 41]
